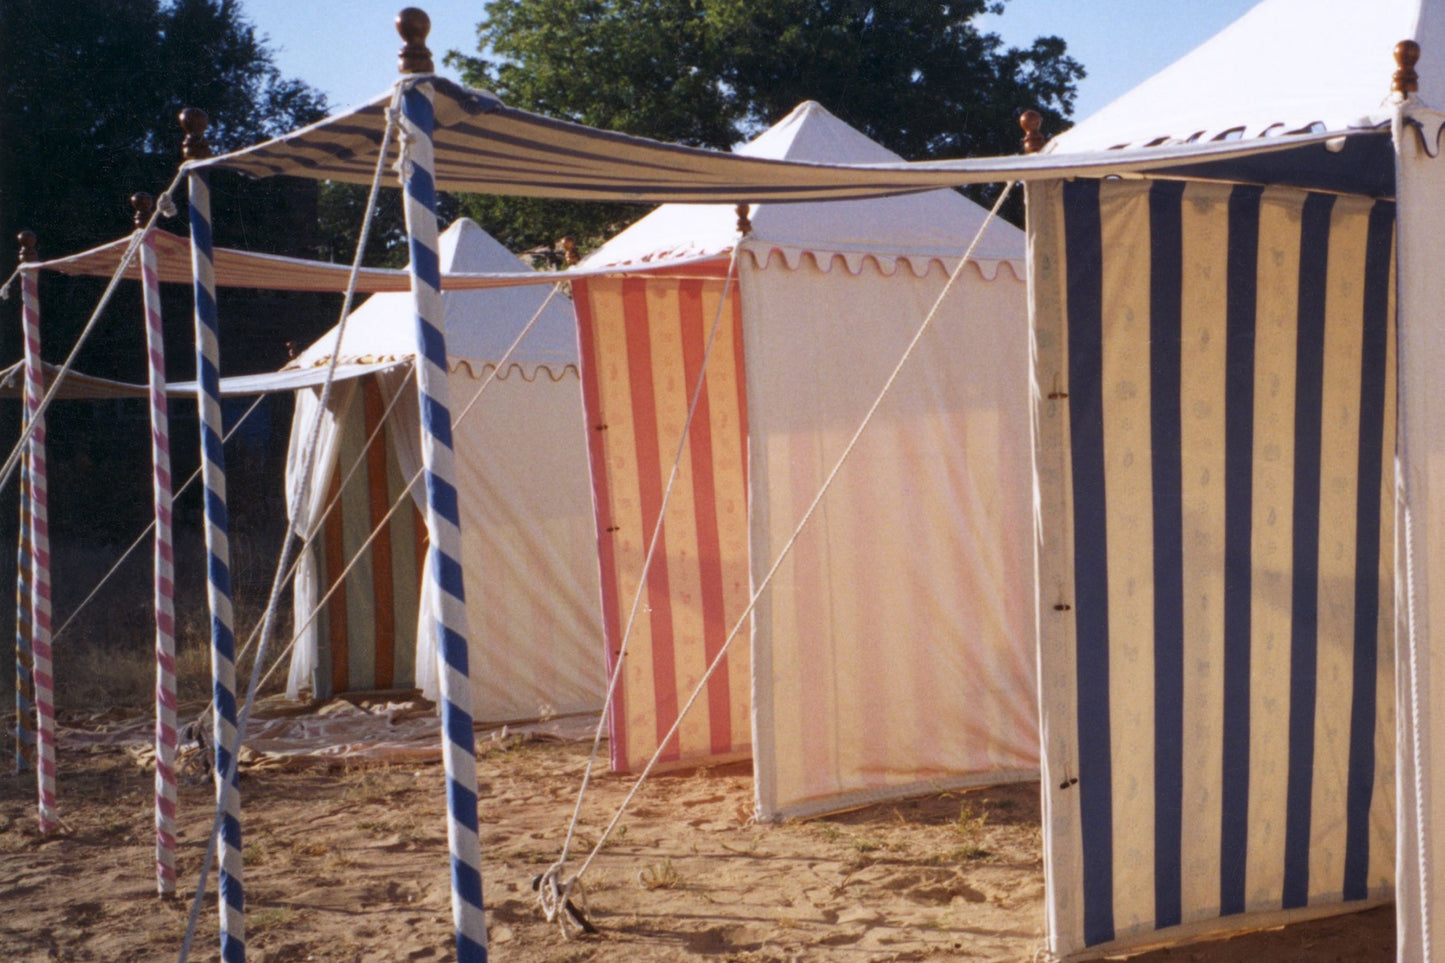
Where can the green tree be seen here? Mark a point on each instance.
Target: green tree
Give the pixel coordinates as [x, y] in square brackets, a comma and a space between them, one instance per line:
[89, 95]
[918, 76]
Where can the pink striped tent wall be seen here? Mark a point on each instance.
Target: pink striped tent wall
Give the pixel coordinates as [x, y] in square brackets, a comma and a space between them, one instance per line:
[643, 342]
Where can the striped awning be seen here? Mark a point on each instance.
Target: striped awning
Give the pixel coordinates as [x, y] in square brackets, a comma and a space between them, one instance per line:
[273, 272]
[484, 146]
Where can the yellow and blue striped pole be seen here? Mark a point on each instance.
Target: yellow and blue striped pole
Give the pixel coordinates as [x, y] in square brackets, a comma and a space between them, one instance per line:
[218, 552]
[443, 519]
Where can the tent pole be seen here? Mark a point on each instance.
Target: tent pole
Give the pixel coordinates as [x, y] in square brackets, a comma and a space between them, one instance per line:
[163, 566]
[42, 672]
[442, 511]
[218, 550]
[24, 656]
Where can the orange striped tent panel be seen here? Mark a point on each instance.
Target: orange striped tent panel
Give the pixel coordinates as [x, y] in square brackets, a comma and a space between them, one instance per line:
[370, 620]
[643, 343]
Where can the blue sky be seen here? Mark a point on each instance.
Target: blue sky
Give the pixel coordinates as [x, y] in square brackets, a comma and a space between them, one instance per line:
[347, 48]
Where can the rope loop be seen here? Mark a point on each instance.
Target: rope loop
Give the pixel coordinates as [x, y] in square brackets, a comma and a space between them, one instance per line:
[555, 898]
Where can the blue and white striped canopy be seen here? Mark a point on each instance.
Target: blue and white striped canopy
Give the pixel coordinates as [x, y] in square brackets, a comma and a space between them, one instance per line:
[484, 146]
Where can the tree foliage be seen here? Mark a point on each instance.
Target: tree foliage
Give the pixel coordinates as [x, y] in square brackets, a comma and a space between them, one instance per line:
[89, 96]
[89, 93]
[918, 76]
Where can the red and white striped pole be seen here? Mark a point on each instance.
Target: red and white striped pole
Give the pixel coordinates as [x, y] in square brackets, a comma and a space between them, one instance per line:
[164, 568]
[39, 554]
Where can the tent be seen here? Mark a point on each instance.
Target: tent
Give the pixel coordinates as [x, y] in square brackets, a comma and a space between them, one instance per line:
[1167, 724]
[930, 670]
[530, 559]
[1243, 345]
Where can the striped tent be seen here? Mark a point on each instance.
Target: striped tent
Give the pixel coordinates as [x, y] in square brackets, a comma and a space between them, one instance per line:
[931, 671]
[1222, 541]
[1216, 542]
[521, 461]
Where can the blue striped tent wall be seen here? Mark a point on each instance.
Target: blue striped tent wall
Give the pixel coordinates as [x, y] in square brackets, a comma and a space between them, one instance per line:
[1215, 375]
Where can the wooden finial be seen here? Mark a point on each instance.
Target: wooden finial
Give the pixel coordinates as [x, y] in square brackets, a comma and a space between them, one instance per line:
[194, 122]
[27, 247]
[745, 223]
[569, 250]
[1031, 121]
[1406, 81]
[413, 24]
[144, 205]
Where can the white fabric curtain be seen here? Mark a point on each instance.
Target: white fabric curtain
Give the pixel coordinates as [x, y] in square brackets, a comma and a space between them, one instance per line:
[1420, 546]
[894, 649]
[528, 544]
[307, 521]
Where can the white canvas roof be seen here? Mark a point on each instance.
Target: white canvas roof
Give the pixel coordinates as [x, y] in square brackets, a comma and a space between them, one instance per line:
[932, 224]
[481, 324]
[1286, 66]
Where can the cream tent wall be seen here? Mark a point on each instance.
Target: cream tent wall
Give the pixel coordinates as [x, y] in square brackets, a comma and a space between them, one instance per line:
[895, 648]
[531, 574]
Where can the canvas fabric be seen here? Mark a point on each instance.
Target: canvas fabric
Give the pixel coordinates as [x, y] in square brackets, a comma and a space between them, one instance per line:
[643, 343]
[1214, 381]
[893, 650]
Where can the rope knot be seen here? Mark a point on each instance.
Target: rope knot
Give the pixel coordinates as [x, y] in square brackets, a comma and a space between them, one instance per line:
[555, 898]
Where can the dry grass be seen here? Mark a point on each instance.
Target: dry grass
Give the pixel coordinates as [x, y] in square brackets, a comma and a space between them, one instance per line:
[114, 669]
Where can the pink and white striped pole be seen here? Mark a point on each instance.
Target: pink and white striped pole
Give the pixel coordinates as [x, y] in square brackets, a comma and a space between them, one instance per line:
[39, 542]
[164, 570]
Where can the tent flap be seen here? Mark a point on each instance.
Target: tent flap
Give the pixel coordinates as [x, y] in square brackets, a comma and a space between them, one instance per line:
[1214, 381]
[643, 348]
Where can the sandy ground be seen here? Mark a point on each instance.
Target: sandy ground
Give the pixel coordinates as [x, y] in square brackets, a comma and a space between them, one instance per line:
[347, 861]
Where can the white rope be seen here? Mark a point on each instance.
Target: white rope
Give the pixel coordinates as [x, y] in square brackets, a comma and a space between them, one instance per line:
[278, 583]
[551, 893]
[792, 540]
[141, 538]
[1422, 841]
[38, 417]
[5, 288]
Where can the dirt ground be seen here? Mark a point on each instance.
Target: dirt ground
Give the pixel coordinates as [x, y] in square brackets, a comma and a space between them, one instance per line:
[348, 862]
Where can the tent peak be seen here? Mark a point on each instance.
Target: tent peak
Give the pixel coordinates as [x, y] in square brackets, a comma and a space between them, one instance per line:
[1334, 74]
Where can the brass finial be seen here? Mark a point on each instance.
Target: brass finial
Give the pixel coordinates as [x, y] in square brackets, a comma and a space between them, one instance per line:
[1406, 81]
[143, 205]
[1031, 121]
[28, 254]
[569, 250]
[745, 223]
[413, 24]
[194, 122]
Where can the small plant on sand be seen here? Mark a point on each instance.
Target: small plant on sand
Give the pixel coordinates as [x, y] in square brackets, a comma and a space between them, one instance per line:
[269, 916]
[970, 826]
[866, 845]
[256, 852]
[660, 876]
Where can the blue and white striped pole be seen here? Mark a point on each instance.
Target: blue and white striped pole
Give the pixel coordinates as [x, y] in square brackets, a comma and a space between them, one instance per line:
[218, 549]
[443, 519]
